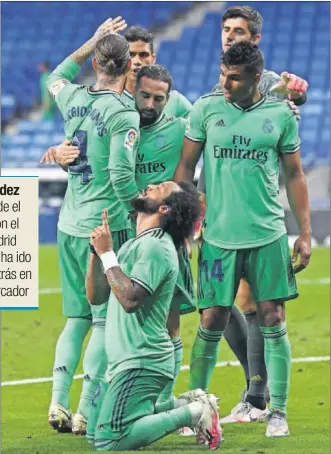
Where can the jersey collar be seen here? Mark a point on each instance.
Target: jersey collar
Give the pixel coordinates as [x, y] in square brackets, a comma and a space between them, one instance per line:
[155, 232]
[252, 107]
[127, 93]
[101, 92]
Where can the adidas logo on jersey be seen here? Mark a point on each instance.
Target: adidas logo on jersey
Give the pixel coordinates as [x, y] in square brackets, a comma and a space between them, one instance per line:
[220, 123]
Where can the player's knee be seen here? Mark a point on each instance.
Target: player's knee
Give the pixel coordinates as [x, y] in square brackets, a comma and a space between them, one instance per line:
[215, 318]
[272, 314]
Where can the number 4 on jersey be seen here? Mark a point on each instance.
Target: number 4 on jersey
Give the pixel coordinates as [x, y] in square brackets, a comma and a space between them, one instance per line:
[81, 166]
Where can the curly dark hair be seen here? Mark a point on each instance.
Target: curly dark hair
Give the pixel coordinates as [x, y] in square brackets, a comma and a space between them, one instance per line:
[244, 53]
[136, 33]
[253, 17]
[185, 211]
[155, 72]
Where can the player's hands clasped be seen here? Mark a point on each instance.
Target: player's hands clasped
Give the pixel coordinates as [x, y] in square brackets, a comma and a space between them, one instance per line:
[302, 247]
[101, 238]
[63, 154]
[116, 25]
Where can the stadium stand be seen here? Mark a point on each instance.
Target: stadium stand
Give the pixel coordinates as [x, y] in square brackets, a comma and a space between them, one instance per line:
[37, 42]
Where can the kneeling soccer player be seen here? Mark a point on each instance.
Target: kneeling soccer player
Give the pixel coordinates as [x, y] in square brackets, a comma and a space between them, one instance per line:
[139, 350]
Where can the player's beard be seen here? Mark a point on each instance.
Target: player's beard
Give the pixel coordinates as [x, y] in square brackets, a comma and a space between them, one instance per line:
[148, 116]
[145, 205]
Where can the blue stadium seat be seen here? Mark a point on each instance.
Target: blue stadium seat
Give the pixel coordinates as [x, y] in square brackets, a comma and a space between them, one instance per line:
[41, 36]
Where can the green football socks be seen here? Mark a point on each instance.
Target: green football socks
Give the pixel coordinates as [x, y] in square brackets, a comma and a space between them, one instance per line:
[94, 366]
[277, 350]
[67, 356]
[204, 357]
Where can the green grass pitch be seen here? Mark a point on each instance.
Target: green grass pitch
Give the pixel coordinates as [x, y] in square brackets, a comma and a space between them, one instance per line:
[28, 343]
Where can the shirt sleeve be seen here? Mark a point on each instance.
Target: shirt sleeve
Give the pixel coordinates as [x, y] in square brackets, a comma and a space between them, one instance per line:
[195, 128]
[153, 267]
[184, 106]
[124, 142]
[290, 140]
[59, 83]
[268, 80]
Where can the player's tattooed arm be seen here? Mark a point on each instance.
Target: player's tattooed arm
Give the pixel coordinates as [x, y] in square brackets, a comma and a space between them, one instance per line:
[109, 26]
[130, 294]
[190, 157]
[97, 287]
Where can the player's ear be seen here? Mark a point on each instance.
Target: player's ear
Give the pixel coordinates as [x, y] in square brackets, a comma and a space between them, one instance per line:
[256, 39]
[94, 64]
[128, 67]
[258, 77]
[154, 59]
[164, 209]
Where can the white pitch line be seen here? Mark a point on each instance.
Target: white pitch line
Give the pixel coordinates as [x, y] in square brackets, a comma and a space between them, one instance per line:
[49, 291]
[321, 281]
[31, 381]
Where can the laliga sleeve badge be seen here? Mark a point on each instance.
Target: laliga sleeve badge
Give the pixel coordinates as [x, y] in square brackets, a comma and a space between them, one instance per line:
[130, 139]
[57, 87]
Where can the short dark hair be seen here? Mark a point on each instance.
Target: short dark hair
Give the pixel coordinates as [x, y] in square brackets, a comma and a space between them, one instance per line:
[253, 17]
[244, 53]
[136, 33]
[155, 72]
[185, 211]
[112, 54]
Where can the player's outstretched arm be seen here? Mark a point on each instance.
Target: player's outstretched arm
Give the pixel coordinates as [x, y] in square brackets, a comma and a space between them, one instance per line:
[59, 81]
[297, 193]
[129, 293]
[293, 86]
[190, 157]
[109, 26]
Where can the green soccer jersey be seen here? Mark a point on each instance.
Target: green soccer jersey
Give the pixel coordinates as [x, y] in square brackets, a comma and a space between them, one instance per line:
[177, 105]
[159, 150]
[140, 340]
[241, 158]
[107, 133]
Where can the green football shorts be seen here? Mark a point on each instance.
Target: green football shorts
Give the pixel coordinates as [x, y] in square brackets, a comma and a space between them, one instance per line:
[267, 269]
[74, 254]
[184, 290]
[131, 395]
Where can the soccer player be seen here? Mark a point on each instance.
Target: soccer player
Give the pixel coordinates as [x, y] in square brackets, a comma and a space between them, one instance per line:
[106, 132]
[140, 355]
[159, 151]
[245, 234]
[141, 43]
[243, 23]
